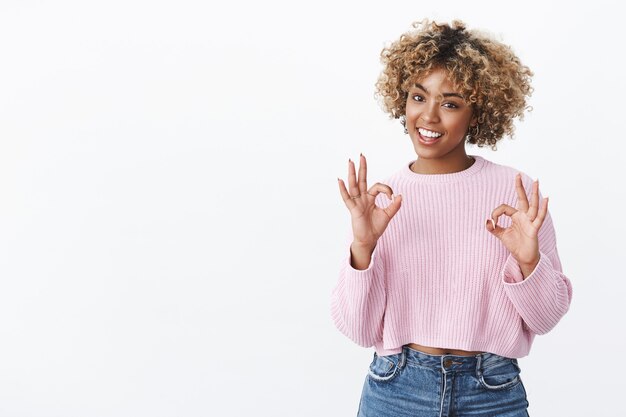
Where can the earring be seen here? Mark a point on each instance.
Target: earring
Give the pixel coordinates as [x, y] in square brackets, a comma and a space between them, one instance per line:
[403, 121]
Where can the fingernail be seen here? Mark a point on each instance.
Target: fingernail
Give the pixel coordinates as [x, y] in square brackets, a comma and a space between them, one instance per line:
[493, 224]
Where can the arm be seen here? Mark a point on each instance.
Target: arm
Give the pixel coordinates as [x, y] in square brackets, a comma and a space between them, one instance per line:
[543, 297]
[358, 299]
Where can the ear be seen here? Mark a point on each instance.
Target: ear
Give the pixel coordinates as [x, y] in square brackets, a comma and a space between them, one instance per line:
[474, 120]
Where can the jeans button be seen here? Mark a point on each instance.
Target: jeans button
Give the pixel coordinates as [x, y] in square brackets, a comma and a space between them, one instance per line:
[447, 363]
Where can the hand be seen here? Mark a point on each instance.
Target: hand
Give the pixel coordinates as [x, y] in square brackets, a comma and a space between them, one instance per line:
[368, 220]
[521, 238]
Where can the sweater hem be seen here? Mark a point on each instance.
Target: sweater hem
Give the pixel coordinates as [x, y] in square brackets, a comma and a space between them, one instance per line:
[384, 348]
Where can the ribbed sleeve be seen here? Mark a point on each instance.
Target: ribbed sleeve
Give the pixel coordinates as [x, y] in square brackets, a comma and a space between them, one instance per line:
[439, 278]
[358, 300]
[544, 296]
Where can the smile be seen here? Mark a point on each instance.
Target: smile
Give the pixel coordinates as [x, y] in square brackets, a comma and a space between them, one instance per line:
[429, 133]
[428, 137]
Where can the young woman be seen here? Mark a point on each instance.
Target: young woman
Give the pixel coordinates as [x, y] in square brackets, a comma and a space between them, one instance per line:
[452, 268]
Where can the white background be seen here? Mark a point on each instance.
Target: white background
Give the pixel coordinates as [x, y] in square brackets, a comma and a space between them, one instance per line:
[170, 221]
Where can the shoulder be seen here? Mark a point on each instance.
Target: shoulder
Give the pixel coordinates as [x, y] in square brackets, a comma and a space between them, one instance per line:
[506, 173]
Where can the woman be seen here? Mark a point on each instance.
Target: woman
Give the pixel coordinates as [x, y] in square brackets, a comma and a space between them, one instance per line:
[448, 290]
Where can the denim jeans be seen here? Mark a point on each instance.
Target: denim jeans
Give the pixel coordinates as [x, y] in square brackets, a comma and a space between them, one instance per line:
[418, 384]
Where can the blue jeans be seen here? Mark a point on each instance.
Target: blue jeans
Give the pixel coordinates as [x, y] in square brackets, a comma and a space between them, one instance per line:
[417, 384]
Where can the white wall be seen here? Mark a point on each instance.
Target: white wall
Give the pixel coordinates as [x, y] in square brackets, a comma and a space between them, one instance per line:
[170, 221]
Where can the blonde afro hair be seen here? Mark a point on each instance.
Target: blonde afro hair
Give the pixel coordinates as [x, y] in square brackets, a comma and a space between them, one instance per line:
[486, 72]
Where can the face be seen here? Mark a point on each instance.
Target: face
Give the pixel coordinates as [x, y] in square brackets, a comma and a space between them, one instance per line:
[437, 118]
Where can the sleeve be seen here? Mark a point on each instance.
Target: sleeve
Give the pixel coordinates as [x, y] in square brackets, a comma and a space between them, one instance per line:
[358, 299]
[544, 296]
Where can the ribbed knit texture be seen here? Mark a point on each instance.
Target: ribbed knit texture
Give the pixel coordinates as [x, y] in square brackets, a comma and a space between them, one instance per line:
[439, 278]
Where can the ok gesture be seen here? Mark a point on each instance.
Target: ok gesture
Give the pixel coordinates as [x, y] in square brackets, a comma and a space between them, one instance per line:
[368, 220]
[521, 237]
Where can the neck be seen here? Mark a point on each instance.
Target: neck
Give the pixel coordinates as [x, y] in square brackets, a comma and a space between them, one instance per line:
[442, 166]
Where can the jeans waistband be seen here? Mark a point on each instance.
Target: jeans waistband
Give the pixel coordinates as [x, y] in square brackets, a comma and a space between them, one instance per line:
[450, 362]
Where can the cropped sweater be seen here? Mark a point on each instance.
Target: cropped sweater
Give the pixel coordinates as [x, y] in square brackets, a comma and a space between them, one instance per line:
[439, 278]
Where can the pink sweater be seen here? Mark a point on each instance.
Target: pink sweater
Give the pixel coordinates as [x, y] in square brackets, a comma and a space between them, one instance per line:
[438, 278]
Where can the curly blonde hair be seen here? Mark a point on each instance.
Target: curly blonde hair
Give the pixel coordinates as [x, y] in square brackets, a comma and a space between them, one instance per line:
[486, 72]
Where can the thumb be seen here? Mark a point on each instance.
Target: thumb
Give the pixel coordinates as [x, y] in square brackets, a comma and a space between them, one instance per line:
[395, 205]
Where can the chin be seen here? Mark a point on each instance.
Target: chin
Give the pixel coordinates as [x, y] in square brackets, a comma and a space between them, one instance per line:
[430, 153]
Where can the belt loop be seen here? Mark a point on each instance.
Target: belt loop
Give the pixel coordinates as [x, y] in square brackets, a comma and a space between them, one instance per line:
[478, 364]
[403, 358]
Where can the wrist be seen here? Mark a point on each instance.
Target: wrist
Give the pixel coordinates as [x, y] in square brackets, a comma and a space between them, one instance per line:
[361, 255]
[528, 267]
[363, 246]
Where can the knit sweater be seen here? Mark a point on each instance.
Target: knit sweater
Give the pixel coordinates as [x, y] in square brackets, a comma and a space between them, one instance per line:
[439, 278]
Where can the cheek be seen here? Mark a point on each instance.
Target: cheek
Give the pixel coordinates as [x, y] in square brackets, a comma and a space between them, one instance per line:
[411, 113]
[457, 124]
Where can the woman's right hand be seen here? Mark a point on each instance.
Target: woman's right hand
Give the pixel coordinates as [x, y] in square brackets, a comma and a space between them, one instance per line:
[368, 220]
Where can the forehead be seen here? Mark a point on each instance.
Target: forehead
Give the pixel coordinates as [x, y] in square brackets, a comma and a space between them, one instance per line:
[437, 80]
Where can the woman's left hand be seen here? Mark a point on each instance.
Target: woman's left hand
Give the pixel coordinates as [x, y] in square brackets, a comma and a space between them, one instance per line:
[521, 237]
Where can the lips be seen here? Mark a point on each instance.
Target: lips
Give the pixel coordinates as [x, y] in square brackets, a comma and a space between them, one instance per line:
[427, 140]
[428, 130]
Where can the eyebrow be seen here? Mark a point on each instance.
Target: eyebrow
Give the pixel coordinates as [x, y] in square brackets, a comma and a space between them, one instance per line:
[444, 94]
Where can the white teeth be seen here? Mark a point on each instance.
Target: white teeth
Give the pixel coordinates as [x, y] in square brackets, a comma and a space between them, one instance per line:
[428, 133]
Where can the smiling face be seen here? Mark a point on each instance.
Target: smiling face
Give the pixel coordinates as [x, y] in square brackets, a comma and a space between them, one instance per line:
[437, 120]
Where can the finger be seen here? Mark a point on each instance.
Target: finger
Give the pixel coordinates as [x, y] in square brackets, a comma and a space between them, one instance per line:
[352, 185]
[500, 210]
[541, 215]
[350, 203]
[522, 200]
[534, 201]
[493, 227]
[395, 205]
[362, 174]
[380, 188]
[492, 224]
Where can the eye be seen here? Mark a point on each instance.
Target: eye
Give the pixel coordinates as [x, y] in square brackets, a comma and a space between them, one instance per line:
[417, 97]
[452, 105]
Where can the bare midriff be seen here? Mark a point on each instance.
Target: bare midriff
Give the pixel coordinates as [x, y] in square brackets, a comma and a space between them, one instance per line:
[442, 351]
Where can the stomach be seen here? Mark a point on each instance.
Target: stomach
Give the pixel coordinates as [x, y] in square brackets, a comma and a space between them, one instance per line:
[442, 351]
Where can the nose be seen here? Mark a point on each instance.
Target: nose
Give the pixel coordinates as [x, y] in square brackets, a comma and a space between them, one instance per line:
[431, 112]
